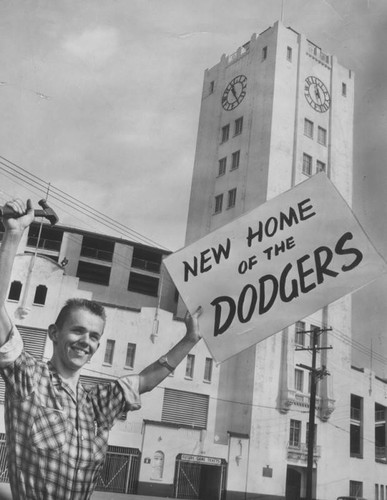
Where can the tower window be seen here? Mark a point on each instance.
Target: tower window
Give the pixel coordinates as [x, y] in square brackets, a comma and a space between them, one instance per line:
[236, 156]
[306, 164]
[212, 86]
[231, 198]
[308, 128]
[320, 166]
[130, 355]
[109, 352]
[225, 133]
[189, 369]
[300, 333]
[289, 54]
[295, 433]
[15, 290]
[218, 203]
[222, 166]
[322, 136]
[298, 380]
[238, 126]
[264, 53]
[356, 427]
[40, 295]
[208, 370]
[344, 89]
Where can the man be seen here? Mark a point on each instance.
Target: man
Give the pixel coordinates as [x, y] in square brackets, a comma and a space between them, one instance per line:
[57, 432]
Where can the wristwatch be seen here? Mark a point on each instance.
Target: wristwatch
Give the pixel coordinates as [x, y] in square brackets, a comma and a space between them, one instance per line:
[164, 362]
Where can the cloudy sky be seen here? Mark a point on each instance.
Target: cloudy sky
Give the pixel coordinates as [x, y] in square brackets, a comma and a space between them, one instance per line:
[101, 99]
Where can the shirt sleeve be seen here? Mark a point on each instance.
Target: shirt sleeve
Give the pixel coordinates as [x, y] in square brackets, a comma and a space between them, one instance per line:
[11, 350]
[113, 399]
[129, 386]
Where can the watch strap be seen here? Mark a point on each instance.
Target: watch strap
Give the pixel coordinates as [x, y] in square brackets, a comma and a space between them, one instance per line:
[163, 361]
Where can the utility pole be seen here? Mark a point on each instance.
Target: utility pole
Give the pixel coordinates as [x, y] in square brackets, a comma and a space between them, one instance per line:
[316, 374]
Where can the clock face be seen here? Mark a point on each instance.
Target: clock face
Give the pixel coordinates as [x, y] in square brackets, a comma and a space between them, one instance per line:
[234, 93]
[317, 94]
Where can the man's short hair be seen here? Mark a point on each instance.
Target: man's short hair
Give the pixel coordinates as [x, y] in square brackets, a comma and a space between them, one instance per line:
[78, 303]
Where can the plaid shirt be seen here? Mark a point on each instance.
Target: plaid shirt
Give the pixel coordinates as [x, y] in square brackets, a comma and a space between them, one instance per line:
[57, 440]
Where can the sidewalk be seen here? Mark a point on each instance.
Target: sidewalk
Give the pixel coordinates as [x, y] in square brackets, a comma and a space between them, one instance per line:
[104, 495]
[5, 494]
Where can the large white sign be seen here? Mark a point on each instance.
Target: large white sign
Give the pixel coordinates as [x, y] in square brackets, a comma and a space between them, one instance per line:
[275, 265]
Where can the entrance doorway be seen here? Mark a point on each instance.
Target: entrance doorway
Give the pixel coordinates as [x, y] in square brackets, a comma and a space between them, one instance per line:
[200, 477]
[293, 484]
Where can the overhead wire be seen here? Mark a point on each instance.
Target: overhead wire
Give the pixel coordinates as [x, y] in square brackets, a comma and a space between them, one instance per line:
[61, 196]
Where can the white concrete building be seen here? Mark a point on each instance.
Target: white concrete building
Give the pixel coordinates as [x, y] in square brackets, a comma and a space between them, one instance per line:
[275, 112]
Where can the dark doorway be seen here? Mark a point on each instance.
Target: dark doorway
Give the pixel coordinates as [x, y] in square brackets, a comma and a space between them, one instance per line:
[293, 484]
[200, 478]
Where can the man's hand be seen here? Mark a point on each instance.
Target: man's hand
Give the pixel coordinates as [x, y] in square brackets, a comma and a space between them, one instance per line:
[24, 215]
[153, 374]
[192, 324]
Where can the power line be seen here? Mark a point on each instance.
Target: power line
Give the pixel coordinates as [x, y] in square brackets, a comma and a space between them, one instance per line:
[35, 182]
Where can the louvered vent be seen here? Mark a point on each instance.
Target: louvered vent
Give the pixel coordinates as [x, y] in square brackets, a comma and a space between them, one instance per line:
[185, 408]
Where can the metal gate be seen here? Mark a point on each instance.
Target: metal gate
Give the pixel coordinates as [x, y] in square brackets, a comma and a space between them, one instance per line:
[120, 471]
[187, 480]
[200, 477]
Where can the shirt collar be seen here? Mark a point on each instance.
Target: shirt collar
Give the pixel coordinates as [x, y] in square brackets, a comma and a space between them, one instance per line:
[58, 381]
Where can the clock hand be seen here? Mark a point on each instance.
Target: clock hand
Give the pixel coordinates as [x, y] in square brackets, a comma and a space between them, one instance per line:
[317, 94]
[234, 93]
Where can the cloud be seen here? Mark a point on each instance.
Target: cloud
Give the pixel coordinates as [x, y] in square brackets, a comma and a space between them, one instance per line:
[97, 45]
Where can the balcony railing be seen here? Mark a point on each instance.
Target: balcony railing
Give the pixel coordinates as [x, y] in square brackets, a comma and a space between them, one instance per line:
[97, 253]
[300, 451]
[53, 245]
[147, 265]
[318, 53]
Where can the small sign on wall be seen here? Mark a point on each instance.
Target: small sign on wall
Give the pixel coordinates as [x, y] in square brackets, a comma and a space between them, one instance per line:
[147, 460]
[267, 471]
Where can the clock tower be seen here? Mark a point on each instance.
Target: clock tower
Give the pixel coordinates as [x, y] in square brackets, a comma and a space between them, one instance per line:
[275, 112]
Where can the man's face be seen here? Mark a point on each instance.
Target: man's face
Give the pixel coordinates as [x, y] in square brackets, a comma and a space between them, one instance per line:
[78, 339]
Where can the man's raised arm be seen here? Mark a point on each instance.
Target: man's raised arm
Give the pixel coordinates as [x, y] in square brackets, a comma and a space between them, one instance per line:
[155, 373]
[14, 229]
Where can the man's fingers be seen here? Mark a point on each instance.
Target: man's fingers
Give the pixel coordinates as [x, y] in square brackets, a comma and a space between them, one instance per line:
[29, 205]
[17, 206]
